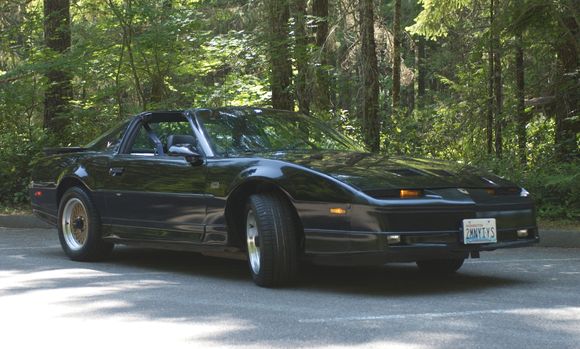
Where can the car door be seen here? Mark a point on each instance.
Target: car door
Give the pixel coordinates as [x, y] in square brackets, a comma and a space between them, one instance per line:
[152, 196]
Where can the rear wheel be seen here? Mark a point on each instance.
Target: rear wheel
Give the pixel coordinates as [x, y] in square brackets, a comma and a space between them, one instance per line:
[79, 228]
[270, 229]
[440, 266]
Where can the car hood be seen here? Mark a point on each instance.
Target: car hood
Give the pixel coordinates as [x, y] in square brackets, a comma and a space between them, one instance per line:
[368, 171]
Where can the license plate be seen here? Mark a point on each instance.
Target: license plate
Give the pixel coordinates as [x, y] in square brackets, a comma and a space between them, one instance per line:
[479, 231]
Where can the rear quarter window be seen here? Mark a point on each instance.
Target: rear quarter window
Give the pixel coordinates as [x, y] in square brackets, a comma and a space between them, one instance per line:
[110, 140]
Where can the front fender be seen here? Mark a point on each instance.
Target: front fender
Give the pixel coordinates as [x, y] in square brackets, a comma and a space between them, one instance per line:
[300, 183]
[311, 193]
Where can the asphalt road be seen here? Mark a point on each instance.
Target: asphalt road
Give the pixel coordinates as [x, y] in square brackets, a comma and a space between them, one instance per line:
[523, 298]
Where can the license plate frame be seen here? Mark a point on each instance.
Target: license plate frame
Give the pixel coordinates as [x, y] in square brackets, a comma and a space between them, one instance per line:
[479, 231]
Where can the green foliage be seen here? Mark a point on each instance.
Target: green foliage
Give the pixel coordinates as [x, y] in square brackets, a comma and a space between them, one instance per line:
[184, 55]
[556, 189]
[438, 16]
[133, 55]
[18, 152]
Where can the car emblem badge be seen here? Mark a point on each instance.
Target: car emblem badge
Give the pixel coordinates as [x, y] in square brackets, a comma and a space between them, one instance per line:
[463, 191]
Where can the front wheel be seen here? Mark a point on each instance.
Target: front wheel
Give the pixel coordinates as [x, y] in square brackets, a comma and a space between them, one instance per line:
[271, 230]
[440, 266]
[79, 227]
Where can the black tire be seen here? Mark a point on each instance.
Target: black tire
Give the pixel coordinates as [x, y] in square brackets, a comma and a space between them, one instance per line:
[80, 237]
[440, 266]
[276, 239]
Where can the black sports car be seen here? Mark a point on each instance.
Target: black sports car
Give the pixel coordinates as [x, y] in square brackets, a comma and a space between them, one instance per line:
[275, 186]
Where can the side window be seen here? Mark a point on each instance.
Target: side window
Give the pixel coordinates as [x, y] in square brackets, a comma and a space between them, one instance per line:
[110, 141]
[167, 132]
[143, 145]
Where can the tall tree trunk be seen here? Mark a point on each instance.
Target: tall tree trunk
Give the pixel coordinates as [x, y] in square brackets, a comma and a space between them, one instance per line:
[127, 25]
[320, 11]
[396, 93]
[491, 70]
[420, 72]
[58, 39]
[281, 76]
[301, 55]
[498, 89]
[159, 90]
[497, 83]
[568, 95]
[125, 18]
[120, 93]
[344, 82]
[369, 74]
[520, 94]
[409, 98]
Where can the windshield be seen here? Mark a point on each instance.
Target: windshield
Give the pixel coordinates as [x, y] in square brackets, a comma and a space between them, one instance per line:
[244, 130]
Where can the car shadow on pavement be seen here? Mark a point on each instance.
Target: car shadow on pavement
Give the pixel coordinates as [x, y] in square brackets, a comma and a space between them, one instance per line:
[184, 292]
[401, 279]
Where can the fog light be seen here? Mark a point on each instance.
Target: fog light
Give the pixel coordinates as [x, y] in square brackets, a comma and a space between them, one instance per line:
[522, 233]
[393, 239]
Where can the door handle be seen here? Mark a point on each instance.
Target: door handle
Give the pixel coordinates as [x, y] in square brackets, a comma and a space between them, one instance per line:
[116, 171]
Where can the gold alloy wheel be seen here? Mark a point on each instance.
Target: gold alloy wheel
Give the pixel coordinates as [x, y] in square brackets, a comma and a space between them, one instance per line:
[75, 224]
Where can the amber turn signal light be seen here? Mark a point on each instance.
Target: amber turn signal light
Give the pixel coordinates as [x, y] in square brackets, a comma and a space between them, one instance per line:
[338, 211]
[410, 193]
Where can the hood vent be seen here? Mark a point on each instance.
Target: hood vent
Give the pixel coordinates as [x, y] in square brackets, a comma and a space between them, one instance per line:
[442, 173]
[405, 172]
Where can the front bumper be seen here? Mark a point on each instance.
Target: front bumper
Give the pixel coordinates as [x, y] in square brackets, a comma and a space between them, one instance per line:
[427, 229]
[372, 248]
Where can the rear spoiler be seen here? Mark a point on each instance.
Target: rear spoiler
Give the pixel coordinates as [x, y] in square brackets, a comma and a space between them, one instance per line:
[64, 150]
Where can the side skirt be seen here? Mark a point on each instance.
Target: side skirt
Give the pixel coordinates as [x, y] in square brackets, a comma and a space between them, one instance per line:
[177, 246]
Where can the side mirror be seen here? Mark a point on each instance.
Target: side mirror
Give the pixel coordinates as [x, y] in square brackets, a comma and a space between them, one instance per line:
[187, 151]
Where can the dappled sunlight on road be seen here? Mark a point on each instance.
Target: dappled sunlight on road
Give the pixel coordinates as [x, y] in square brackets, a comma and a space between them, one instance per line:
[146, 298]
[130, 308]
[45, 307]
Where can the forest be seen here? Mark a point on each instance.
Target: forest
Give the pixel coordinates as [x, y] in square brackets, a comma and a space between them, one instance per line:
[489, 83]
